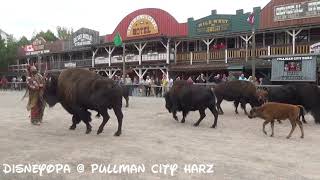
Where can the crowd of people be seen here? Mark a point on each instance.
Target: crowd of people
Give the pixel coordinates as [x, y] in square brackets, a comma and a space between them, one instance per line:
[154, 86]
[14, 83]
[218, 78]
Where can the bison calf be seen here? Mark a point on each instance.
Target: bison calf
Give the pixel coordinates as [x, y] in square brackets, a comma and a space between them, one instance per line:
[278, 111]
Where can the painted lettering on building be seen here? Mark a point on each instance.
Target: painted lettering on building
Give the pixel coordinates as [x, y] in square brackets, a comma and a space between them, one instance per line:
[294, 68]
[36, 47]
[142, 25]
[82, 39]
[300, 10]
[213, 25]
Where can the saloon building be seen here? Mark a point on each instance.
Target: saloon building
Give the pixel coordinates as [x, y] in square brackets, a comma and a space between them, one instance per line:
[286, 45]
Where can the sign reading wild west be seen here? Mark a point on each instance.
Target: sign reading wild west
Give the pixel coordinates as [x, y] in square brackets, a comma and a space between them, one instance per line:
[300, 10]
[142, 25]
[294, 68]
[37, 47]
[213, 25]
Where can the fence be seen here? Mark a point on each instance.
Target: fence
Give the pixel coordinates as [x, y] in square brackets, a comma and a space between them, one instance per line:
[13, 86]
[140, 90]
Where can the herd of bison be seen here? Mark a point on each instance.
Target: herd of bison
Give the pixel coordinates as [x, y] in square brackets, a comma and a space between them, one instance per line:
[79, 90]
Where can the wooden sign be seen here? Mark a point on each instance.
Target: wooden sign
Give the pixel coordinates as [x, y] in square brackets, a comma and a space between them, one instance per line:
[142, 25]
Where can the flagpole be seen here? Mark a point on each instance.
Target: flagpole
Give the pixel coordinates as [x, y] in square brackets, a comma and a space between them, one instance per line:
[124, 62]
[253, 63]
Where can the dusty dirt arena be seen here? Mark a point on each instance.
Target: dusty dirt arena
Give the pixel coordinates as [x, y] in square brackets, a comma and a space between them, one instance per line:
[237, 147]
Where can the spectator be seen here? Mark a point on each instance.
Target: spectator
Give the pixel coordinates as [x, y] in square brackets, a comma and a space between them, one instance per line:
[189, 80]
[14, 83]
[224, 78]
[164, 84]
[201, 79]
[260, 81]
[231, 77]
[178, 78]
[129, 84]
[4, 83]
[148, 86]
[242, 78]
[217, 79]
[170, 82]
[158, 87]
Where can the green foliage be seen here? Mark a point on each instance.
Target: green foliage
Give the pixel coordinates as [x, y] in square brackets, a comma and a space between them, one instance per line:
[8, 52]
[48, 36]
[23, 41]
[64, 33]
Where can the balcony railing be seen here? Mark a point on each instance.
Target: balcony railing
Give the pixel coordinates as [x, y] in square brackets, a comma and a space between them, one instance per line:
[145, 57]
[238, 54]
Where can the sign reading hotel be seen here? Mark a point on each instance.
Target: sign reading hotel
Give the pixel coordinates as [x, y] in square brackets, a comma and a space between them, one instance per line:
[142, 25]
[295, 68]
[37, 47]
[213, 25]
[82, 39]
[297, 10]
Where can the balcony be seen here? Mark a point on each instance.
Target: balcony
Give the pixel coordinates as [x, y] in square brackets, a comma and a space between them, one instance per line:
[227, 55]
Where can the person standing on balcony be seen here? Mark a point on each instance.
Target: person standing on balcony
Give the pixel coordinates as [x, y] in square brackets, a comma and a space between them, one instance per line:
[36, 103]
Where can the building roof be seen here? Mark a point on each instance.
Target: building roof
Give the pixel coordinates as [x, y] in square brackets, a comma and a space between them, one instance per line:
[167, 25]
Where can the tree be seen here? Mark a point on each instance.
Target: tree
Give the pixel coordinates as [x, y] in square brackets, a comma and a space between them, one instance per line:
[64, 33]
[23, 41]
[8, 52]
[48, 36]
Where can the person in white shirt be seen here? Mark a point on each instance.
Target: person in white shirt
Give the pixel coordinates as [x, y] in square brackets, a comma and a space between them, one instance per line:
[242, 78]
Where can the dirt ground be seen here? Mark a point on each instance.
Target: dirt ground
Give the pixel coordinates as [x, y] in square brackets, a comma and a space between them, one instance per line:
[237, 147]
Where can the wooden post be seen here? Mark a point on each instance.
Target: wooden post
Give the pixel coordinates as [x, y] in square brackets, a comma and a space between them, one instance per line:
[294, 35]
[176, 44]
[208, 42]
[94, 52]
[124, 62]
[109, 51]
[246, 39]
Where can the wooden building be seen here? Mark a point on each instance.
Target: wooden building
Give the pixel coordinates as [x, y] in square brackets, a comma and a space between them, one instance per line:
[155, 43]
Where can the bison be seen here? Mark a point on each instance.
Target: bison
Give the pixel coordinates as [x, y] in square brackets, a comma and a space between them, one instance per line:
[242, 92]
[305, 94]
[79, 90]
[279, 111]
[185, 97]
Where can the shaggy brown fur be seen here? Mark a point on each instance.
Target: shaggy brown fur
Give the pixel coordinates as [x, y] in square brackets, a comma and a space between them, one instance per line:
[278, 111]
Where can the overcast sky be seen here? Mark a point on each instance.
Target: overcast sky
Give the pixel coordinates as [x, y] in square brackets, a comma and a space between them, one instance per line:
[24, 17]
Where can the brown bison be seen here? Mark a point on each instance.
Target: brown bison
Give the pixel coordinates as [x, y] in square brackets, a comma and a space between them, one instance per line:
[79, 90]
[242, 92]
[305, 94]
[279, 111]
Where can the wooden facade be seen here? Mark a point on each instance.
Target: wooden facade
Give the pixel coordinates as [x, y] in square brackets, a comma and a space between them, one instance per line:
[155, 40]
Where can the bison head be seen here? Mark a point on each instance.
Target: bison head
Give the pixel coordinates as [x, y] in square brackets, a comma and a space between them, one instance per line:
[168, 102]
[262, 95]
[50, 90]
[253, 113]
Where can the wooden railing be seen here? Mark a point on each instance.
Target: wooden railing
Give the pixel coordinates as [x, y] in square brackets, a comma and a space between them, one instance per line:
[240, 54]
